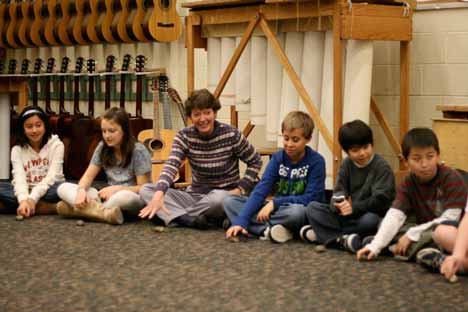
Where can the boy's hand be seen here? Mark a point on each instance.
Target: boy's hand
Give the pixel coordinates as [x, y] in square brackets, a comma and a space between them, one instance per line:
[235, 230]
[451, 265]
[264, 214]
[345, 208]
[365, 254]
[402, 246]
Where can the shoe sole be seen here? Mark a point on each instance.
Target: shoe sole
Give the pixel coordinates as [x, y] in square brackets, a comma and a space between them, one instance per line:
[280, 235]
[422, 253]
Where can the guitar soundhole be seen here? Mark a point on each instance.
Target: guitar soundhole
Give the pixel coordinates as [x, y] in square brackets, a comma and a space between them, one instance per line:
[156, 145]
[165, 3]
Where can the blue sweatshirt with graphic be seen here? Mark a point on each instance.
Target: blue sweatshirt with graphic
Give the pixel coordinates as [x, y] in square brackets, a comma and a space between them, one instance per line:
[298, 183]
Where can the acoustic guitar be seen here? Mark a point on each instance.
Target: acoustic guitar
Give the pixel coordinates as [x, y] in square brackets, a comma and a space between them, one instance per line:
[36, 71]
[125, 18]
[66, 14]
[110, 62]
[81, 19]
[137, 122]
[164, 24]
[50, 28]
[24, 30]
[141, 20]
[108, 31]
[123, 78]
[14, 11]
[4, 20]
[96, 8]
[158, 141]
[38, 24]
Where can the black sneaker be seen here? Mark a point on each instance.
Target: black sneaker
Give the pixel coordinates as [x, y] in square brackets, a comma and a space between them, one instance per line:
[350, 242]
[226, 224]
[367, 240]
[431, 259]
[201, 222]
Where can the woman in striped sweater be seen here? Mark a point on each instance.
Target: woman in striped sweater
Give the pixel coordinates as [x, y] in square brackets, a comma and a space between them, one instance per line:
[213, 150]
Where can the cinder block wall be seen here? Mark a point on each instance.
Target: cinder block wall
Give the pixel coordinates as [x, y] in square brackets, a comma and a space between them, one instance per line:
[438, 72]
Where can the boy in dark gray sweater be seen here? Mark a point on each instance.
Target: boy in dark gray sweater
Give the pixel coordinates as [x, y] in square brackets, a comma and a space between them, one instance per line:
[364, 190]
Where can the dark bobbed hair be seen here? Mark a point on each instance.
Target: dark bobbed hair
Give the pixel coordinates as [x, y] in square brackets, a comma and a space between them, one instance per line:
[120, 117]
[419, 137]
[201, 99]
[355, 133]
[28, 112]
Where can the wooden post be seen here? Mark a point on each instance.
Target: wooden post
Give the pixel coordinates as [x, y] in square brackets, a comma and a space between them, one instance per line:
[385, 127]
[337, 86]
[404, 92]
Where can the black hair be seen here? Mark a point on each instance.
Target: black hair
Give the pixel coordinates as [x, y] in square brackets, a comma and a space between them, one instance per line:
[355, 133]
[201, 99]
[419, 137]
[28, 112]
[119, 116]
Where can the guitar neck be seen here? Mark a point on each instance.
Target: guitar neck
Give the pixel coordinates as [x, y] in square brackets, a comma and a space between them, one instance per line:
[107, 94]
[47, 95]
[91, 96]
[76, 95]
[34, 91]
[139, 96]
[156, 132]
[62, 95]
[122, 90]
[166, 110]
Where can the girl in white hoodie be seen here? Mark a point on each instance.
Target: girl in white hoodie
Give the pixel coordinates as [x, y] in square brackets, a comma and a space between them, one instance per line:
[37, 161]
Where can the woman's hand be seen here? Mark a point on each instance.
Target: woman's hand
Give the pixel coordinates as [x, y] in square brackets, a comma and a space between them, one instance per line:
[264, 213]
[108, 191]
[156, 204]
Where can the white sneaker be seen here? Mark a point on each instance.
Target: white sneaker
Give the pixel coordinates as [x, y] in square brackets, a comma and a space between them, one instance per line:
[307, 234]
[280, 234]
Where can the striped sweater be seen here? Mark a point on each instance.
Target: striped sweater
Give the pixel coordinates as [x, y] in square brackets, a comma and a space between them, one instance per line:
[214, 159]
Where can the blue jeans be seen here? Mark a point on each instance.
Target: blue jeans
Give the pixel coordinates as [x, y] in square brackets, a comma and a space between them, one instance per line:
[291, 216]
[8, 197]
[328, 225]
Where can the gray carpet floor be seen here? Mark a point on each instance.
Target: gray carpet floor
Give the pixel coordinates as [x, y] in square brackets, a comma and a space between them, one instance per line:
[50, 264]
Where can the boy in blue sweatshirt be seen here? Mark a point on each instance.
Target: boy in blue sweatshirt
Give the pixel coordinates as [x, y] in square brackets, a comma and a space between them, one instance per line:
[295, 175]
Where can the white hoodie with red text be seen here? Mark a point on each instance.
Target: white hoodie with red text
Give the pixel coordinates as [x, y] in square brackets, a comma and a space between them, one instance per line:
[33, 172]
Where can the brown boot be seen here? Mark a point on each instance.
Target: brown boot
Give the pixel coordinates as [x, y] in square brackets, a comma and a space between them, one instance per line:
[93, 210]
[46, 208]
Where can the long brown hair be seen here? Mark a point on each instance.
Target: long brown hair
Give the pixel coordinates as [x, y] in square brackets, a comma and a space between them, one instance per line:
[119, 116]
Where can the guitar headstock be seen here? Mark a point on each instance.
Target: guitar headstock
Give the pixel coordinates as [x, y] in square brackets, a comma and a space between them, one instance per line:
[65, 63]
[163, 83]
[79, 64]
[12, 66]
[126, 62]
[110, 62]
[25, 67]
[91, 65]
[37, 65]
[50, 65]
[140, 61]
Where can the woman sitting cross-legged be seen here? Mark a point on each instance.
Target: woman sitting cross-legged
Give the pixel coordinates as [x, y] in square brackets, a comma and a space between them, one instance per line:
[127, 165]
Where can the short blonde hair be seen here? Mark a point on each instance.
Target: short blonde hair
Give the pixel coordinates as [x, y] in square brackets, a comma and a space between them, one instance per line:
[298, 120]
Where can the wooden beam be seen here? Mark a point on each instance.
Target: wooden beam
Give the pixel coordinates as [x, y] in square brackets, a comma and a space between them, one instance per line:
[234, 117]
[376, 28]
[386, 127]
[296, 81]
[235, 57]
[248, 129]
[337, 88]
[404, 92]
[189, 42]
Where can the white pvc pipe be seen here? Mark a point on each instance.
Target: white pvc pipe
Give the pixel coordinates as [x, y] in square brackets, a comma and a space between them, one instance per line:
[5, 136]
[274, 81]
[242, 77]
[258, 80]
[214, 62]
[227, 97]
